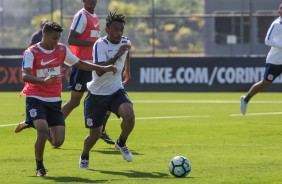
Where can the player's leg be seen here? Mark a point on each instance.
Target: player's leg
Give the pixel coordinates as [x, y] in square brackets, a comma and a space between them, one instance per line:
[123, 107]
[72, 103]
[42, 129]
[104, 136]
[95, 108]
[89, 142]
[271, 72]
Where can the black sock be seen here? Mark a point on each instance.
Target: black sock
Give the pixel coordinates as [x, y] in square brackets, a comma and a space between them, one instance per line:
[105, 122]
[247, 98]
[121, 141]
[39, 164]
[84, 156]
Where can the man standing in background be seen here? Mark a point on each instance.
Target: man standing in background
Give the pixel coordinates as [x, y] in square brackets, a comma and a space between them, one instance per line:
[85, 31]
[37, 36]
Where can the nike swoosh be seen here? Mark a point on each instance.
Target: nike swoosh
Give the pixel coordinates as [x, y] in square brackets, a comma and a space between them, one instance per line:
[47, 62]
[96, 24]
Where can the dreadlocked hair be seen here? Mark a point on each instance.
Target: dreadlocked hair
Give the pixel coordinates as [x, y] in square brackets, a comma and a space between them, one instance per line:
[115, 17]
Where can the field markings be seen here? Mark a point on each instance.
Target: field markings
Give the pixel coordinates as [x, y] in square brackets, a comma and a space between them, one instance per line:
[258, 114]
[205, 101]
[144, 118]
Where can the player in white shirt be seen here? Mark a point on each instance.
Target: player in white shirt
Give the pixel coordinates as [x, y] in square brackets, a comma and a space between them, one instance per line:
[106, 93]
[273, 67]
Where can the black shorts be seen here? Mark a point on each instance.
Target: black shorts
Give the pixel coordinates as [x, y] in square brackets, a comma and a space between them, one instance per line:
[50, 111]
[272, 71]
[78, 79]
[96, 107]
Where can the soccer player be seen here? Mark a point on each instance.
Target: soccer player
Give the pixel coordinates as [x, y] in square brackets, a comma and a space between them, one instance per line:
[85, 30]
[41, 70]
[273, 67]
[106, 92]
[37, 36]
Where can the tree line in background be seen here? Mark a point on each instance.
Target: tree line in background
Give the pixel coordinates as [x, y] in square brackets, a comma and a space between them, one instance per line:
[155, 27]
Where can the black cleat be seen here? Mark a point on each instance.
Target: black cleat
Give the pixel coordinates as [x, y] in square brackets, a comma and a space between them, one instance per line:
[106, 138]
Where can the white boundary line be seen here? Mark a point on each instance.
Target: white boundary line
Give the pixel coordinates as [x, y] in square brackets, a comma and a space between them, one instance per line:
[204, 101]
[144, 118]
[258, 114]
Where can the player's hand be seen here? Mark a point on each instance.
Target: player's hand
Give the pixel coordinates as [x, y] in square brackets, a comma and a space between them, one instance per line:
[122, 50]
[52, 78]
[126, 77]
[110, 68]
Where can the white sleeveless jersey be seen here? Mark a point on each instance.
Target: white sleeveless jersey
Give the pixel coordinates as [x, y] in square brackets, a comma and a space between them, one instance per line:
[108, 83]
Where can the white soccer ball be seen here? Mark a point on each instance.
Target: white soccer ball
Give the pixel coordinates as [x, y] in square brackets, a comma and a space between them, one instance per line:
[179, 166]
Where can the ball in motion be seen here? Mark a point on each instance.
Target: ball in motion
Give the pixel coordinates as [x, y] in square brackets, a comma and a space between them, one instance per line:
[179, 166]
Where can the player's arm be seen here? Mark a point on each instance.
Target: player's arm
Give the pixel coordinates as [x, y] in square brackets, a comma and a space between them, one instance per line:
[74, 40]
[114, 59]
[126, 72]
[27, 77]
[72, 60]
[271, 38]
[89, 67]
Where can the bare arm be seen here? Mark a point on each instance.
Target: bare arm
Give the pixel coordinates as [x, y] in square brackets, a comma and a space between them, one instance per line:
[74, 40]
[126, 72]
[113, 60]
[89, 67]
[27, 77]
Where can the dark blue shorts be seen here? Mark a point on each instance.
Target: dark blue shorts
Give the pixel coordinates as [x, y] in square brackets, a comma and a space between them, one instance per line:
[272, 71]
[78, 79]
[96, 107]
[50, 111]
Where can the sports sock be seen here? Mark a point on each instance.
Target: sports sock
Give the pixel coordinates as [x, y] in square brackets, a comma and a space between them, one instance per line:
[247, 98]
[39, 164]
[121, 141]
[84, 156]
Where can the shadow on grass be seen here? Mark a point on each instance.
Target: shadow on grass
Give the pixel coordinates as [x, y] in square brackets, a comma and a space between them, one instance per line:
[135, 174]
[67, 179]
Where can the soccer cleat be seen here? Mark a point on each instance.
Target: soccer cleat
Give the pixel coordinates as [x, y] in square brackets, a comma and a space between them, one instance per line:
[244, 105]
[21, 126]
[106, 138]
[41, 172]
[124, 152]
[83, 164]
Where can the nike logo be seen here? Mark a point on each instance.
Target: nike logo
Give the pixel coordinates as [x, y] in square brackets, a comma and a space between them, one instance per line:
[96, 24]
[47, 62]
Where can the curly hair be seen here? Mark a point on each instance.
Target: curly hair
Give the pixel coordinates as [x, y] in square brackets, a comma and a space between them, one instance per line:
[115, 17]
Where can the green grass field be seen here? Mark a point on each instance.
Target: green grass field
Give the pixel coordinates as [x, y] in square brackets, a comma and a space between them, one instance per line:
[207, 128]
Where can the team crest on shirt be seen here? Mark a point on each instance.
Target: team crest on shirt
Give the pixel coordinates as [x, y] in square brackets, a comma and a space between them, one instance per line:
[32, 113]
[78, 87]
[89, 122]
[270, 77]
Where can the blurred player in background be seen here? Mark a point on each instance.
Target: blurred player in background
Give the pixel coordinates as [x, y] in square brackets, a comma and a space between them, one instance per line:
[273, 67]
[106, 92]
[41, 70]
[37, 36]
[85, 30]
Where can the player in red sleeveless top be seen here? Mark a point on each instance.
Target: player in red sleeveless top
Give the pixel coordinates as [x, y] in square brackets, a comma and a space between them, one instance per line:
[41, 70]
[84, 32]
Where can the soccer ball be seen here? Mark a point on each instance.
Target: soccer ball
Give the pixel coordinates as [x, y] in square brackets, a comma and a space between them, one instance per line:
[179, 166]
